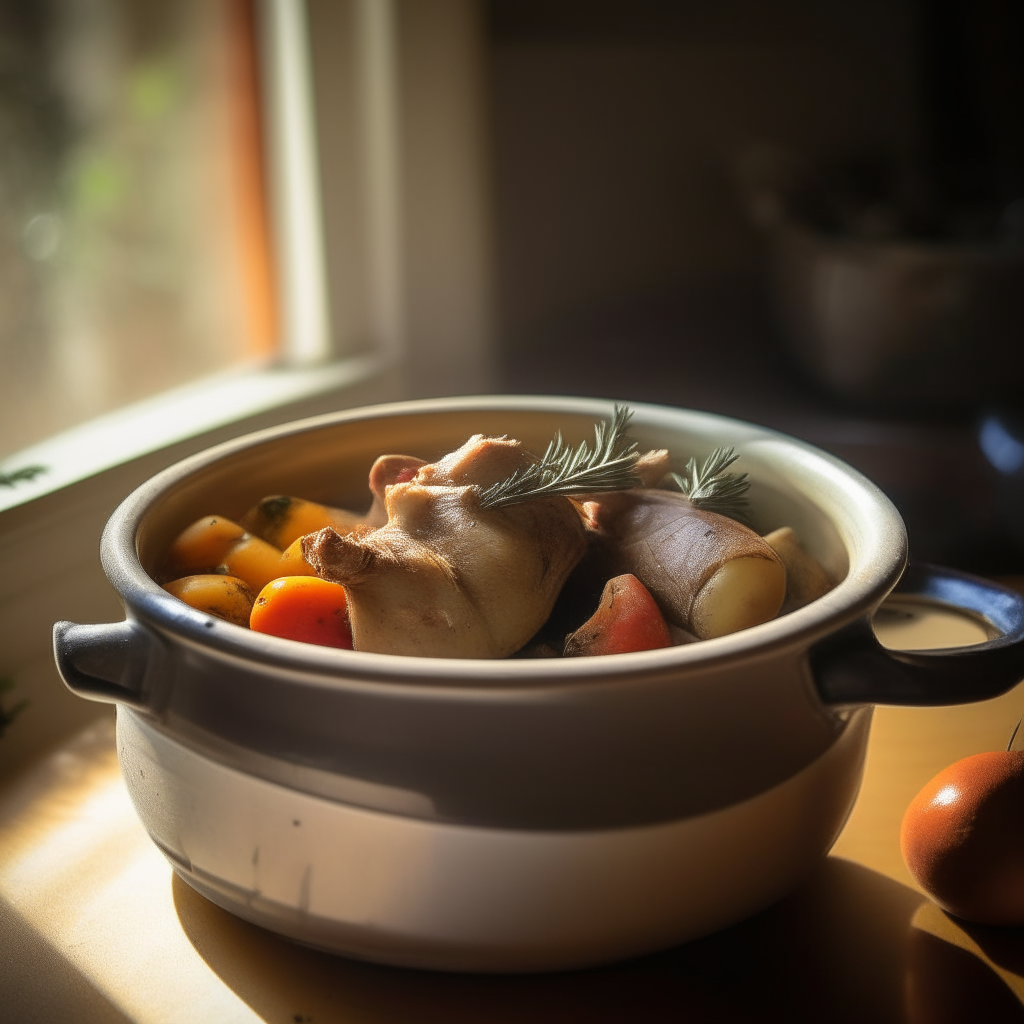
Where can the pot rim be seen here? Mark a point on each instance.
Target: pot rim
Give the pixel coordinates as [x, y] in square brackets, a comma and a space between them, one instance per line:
[871, 575]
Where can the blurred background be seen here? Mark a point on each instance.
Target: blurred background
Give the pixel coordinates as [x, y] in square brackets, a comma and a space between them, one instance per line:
[806, 214]
[131, 206]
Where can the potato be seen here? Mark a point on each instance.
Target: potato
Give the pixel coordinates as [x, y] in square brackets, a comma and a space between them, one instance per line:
[806, 578]
[226, 597]
[709, 574]
[203, 545]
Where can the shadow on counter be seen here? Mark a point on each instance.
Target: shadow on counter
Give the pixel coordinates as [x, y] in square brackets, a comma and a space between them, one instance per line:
[38, 984]
[841, 948]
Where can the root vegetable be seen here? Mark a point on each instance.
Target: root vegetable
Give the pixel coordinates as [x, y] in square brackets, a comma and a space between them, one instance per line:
[293, 563]
[253, 560]
[214, 544]
[806, 578]
[446, 577]
[203, 545]
[303, 608]
[627, 619]
[280, 520]
[226, 597]
[709, 574]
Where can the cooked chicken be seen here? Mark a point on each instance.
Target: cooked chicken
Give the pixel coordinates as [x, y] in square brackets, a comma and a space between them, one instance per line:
[446, 577]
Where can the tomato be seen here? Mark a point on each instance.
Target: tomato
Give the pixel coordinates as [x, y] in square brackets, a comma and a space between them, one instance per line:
[304, 608]
[963, 838]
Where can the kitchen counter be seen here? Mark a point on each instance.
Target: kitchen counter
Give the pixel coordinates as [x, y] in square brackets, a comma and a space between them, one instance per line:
[95, 927]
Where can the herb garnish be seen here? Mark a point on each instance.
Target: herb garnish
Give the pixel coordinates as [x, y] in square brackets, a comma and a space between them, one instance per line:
[710, 488]
[564, 470]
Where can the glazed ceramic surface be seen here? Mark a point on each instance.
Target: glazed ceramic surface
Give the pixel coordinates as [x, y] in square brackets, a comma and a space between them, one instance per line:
[490, 815]
[421, 893]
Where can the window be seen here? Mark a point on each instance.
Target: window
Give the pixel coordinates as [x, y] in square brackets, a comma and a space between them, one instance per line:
[376, 245]
[134, 230]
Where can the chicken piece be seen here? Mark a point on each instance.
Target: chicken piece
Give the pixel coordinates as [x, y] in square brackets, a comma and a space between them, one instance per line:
[652, 467]
[446, 577]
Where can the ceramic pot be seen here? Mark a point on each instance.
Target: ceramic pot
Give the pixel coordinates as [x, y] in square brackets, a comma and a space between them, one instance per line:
[898, 324]
[516, 814]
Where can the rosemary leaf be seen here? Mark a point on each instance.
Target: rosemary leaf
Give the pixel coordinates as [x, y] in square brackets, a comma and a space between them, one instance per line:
[563, 470]
[710, 487]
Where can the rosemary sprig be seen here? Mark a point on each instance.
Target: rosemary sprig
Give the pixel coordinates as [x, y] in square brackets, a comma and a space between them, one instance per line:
[709, 487]
[564, 470]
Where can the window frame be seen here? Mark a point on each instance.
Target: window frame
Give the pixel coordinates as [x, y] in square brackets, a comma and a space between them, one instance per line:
[402, 143]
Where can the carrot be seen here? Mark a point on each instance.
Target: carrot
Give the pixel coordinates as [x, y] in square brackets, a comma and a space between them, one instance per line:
[214, 544]
[203, 545]
[253, 560]
[293, 563]
[304, 608]
[280, 519]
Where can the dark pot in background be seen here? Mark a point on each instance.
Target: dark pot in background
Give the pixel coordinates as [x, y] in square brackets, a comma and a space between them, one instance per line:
[901, 325]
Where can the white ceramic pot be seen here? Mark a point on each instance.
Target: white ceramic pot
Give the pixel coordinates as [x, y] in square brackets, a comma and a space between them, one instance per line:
[517, 814]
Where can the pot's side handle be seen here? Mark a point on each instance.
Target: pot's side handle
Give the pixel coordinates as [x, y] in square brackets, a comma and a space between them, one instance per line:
[113, 662]
[852, 667]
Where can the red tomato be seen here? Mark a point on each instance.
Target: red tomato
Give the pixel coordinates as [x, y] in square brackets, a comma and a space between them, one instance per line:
[304, 608]
[963, 838]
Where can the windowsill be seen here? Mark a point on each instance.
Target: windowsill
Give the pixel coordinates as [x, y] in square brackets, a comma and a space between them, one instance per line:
[191, 411]
[50, 526]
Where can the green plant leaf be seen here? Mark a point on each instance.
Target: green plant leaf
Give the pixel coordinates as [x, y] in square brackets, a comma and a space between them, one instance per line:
[18, 476]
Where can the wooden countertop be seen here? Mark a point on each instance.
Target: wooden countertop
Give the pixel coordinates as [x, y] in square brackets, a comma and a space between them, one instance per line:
[95, 927]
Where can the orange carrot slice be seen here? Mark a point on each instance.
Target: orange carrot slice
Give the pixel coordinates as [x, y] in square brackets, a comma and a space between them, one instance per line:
[304, 608]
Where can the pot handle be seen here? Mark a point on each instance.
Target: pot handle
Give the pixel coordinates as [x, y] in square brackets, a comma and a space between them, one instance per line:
[852, 667]
[112, 662]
